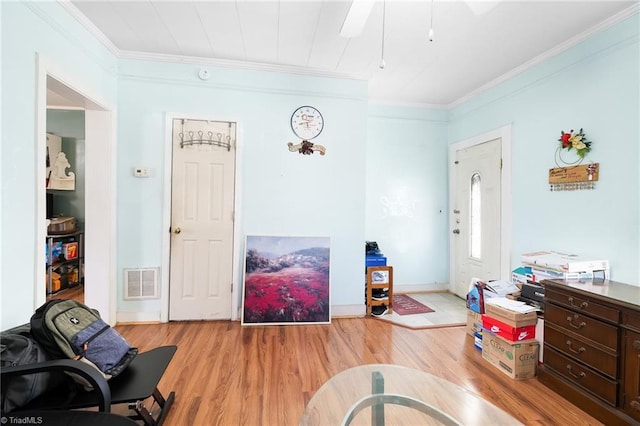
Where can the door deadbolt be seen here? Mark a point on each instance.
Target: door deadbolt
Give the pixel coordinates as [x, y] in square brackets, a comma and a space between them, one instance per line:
[456, 231]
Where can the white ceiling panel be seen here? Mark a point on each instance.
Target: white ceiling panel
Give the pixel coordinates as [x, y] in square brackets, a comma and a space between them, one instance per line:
[188, 33]
[328, 46]
[297, 29]
[259, 25]
[471, 49]
[221, 23]
[152, 35]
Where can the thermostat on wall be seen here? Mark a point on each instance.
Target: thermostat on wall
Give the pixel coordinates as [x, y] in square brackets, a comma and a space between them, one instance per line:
[141, 172]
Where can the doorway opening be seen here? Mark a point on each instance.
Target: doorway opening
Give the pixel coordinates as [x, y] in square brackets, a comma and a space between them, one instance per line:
[57, 87]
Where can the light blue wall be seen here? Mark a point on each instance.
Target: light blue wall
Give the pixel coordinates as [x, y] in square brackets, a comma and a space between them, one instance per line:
[28, 29]
[407, 192]
[282, 192]
[375, 155]
[594, 85]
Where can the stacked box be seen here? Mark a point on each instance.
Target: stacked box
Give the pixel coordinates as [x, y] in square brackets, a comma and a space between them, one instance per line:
[517, 360]
[513, 334]
[509, 317]
[477, 339]
[474, 322]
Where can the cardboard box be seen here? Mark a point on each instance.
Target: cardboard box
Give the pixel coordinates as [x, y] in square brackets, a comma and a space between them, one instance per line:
[563, 262]
[370, 260]
[70, 250]
[509, 317]
[474, 322]
[477, 340]
[517, 360]
[513, 334]
[521, 275]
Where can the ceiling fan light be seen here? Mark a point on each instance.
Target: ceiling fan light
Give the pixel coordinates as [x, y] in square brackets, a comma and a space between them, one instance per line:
[356, 18]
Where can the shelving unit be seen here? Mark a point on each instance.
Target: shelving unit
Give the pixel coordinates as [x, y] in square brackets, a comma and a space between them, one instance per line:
[65, 257]
[379, 277]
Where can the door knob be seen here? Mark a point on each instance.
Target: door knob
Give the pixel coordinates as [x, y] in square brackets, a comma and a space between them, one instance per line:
[456, 231]
[177, 230]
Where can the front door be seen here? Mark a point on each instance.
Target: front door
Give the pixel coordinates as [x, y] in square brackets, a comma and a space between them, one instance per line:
[476, 214]
[202, 201]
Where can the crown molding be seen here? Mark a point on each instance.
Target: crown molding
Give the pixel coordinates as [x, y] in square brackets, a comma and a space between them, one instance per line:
[556, 50]
[89, 26]
[236, 64]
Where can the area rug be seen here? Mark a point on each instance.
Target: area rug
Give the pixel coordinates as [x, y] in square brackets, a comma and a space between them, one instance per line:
[449, 310]
[406, 305]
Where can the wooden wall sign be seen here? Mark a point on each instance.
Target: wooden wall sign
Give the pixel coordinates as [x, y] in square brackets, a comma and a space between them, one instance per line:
[574, 177]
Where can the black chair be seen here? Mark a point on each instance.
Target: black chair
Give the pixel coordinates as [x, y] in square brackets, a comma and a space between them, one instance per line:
[133, 386]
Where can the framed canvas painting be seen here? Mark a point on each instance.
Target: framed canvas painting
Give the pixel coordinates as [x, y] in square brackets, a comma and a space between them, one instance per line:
[286, 280]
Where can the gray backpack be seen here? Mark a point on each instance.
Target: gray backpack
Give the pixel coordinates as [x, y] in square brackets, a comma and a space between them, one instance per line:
[18, 348]
[70, 329]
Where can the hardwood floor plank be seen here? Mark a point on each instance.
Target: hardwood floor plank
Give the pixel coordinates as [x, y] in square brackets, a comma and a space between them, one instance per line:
[227, 374]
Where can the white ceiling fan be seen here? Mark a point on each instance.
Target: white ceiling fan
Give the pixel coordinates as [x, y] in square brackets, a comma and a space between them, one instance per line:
[360, 10]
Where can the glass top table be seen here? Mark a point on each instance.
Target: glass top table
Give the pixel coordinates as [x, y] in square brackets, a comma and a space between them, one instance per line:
[379, 394]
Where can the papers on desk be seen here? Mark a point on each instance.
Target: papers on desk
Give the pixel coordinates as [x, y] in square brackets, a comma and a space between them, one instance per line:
[512, 305]
[502, 288]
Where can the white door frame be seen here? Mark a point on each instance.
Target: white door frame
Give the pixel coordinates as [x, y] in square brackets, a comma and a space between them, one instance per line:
[100, 186]
[504, 133]
[238, 240]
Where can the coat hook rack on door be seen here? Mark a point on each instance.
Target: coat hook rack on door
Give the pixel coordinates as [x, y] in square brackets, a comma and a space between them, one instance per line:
[199, 138]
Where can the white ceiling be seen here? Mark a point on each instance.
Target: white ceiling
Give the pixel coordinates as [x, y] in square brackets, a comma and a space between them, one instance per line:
[469, 52]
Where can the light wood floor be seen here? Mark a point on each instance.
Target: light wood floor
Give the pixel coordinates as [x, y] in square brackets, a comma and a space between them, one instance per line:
[225, 374]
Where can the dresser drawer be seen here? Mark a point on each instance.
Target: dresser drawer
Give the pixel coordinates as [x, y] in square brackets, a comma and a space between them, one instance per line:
[581, 349]
[583, 325]
[582, 305]
[631, 319]
[596, 384]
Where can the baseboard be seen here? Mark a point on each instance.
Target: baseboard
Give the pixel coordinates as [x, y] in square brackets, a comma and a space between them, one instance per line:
[138, 317]
[341, 311]
[345, 311]
[421, 288]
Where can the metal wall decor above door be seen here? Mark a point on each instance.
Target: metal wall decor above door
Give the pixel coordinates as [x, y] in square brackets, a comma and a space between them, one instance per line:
[208, 138]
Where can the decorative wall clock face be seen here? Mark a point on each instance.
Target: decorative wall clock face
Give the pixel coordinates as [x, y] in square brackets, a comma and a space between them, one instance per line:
[307, 122]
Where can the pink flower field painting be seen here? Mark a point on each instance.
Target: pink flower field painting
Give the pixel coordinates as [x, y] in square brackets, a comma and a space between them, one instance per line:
[286, 280]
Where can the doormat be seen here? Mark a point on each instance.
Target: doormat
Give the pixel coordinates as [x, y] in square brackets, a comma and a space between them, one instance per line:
[406, 305]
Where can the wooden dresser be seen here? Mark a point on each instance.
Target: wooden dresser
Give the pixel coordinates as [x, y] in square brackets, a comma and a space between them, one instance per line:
[592, 347]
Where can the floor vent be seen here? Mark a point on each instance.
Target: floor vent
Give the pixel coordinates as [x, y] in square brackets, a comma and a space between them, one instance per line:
[141, 283]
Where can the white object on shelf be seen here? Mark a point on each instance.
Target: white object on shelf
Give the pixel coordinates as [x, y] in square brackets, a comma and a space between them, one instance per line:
[57, 165]
[563, 262]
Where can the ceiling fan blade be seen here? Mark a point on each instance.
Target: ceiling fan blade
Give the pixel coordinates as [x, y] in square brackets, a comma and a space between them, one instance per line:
[480, 7]
[356, 18]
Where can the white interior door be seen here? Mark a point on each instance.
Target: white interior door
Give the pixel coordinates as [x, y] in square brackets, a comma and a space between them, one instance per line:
[476, 214]
[202, 201]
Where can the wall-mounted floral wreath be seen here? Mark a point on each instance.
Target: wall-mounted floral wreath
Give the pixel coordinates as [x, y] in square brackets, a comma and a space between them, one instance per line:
[573, 141]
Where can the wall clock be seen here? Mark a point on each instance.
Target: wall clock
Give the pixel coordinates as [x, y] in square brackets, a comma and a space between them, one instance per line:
[307, 122]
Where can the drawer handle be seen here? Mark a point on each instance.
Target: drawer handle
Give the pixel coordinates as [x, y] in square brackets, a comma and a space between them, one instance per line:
[580, 349]
[577, 376]
[583, 305]
[570, 319]
[635, 405]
